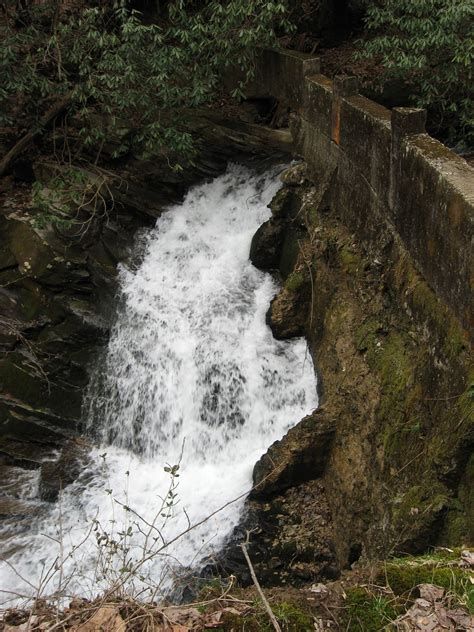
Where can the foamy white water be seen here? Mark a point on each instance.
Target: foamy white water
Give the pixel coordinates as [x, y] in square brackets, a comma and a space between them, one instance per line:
[193, 376]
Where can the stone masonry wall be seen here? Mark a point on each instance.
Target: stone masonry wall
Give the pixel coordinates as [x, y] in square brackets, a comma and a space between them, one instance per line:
[386, 170]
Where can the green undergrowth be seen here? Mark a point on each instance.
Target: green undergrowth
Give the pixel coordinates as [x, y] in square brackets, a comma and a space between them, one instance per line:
[441, 568]
[367, 611]
[290, 617]
[372, 608]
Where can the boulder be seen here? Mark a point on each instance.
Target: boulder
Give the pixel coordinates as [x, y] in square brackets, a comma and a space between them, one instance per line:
[300, 456]
[267, 243]
[288, 313]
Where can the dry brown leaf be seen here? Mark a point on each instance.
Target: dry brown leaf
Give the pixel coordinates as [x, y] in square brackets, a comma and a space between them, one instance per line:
[430, 592]
[462, 619]
[467, 559]
[105, 619]
[186, 617]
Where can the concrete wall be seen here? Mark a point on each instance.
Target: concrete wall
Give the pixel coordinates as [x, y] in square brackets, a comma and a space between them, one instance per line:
[387, 171]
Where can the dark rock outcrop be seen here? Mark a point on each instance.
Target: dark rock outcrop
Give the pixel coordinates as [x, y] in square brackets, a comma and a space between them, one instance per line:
[57, 474]
[301, 455]
[391, 355]
[267, 244]
[288, 313]
[290, 540]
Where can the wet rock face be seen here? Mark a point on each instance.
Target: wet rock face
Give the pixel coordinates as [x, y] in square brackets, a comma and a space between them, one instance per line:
[301, 455]
[288, 313]
[267, 243]
[57, 286]
[290, 540]
[60, 472]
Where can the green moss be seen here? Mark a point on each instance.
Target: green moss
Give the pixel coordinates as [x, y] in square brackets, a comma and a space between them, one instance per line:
[419, 507]
[466, 404]
[350, 261]
[294, 281]
[404, 574]
[391, 356]
[367, 335]
[312, 215]
[458, 528]
[455, 527]
[281, 203]
[466, 494]
[393, 361]
[290, 617]
[367, 612]
[435, 556]
[441, 322]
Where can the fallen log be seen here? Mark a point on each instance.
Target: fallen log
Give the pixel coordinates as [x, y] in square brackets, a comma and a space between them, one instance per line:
[57, 108]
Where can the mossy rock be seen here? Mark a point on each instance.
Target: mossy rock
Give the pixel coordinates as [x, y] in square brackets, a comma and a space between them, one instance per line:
[418, 512]
[25, 381]
[288, 313]
[34, 257]
[295, 281]
[300, 456]
[291, 250]
[351, 262]
[282, 203]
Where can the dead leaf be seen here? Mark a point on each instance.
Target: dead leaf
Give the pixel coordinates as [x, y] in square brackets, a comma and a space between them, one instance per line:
[320, 589]
[105, 619]
[467, 559]
[430, 592]
[186, 617]
[462, 619]
[421, 617]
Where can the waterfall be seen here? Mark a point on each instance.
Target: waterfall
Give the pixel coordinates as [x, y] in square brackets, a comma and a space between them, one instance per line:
[192, 376]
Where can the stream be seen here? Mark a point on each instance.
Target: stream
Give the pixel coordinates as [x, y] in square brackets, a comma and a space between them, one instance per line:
[191, 392]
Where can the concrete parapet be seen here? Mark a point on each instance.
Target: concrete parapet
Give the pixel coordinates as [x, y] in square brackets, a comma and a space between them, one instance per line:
[388, 170]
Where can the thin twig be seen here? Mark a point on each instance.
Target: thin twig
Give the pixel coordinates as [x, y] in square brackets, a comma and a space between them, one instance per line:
[273, 619]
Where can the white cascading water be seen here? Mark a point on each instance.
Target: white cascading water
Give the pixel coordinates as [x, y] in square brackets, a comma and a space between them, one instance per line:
[192, 375]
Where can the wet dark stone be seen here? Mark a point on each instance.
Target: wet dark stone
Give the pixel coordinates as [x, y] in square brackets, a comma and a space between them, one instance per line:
[58, 474]
[267, 243]
[300, 456]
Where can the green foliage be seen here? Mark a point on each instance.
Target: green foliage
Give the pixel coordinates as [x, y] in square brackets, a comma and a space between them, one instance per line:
[291, 617]
[429, 45]
[110, 62]
[367, 612]
[60, 204]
